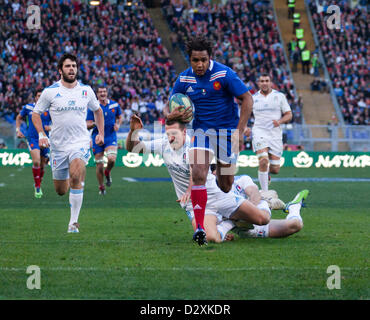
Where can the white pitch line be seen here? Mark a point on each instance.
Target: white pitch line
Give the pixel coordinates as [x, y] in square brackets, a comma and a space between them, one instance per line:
[129, 179]
[69, 240]
[180, 269]
[2, 184]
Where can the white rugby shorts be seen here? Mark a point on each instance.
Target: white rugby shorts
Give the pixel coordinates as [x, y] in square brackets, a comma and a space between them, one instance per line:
[261, 140]
[61, 160]
[222, 205]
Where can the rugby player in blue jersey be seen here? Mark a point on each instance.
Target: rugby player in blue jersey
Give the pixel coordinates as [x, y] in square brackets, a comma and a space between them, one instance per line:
[39, 157]
[218, 127]
[112, 121]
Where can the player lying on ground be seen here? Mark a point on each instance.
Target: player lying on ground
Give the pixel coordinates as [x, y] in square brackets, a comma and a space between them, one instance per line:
[174, 148]
[276, 228]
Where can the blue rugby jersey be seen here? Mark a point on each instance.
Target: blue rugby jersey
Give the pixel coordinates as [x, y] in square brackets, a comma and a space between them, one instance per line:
[110, 112]
[26, 113]
[213, 96]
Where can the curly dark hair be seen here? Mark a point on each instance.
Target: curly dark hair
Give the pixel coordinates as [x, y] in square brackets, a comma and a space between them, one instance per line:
[199, 43]
[64, 57]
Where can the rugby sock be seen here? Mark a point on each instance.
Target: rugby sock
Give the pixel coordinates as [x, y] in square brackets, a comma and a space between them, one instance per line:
[37, 176]
[259, 231]
[75, 200]
[294, 212]
[224, 227]
[263, 178]
[199, 201]
[106, 172]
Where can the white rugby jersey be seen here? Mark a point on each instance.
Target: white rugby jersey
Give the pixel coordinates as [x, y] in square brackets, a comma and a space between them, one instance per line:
[178, 166]
[268, 108]
[68, 109]
[240, 183]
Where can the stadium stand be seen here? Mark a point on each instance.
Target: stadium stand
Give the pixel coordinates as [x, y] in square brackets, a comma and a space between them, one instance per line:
[346, 55]
[246, 38]
[117, 45]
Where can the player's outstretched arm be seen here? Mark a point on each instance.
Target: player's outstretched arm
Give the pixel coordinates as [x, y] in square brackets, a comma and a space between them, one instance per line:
[133, 140]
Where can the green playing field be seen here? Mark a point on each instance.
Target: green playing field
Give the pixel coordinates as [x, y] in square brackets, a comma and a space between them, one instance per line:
[135, 242]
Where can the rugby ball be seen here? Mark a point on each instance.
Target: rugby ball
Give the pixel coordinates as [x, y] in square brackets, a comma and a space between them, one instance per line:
[179, 99]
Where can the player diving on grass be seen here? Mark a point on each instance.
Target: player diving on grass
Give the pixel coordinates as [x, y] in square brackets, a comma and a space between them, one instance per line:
[67, 101]
[218, 128]
[277, 228]
[174, 148]
[112, 121]
[40, 157]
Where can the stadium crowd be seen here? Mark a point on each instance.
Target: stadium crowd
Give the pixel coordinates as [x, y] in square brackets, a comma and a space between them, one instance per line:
[346, 54]
[246, 38]
[117, 46]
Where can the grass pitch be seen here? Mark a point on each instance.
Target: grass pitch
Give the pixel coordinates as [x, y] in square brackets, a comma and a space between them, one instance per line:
[135, 242]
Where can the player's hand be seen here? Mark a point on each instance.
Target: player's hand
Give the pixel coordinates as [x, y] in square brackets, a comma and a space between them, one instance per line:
[276, 123]
[135, 123]
[180, 114]
[247, 132]
[116, 127]
[20, 134]
[44, 143]
[99, 139]
[184, 199]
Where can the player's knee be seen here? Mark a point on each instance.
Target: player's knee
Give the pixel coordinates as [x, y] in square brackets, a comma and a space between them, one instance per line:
[111, 161]
[213, 236]
[274, 169]
[75, 179]
[295, 225]
[263, 218]
[199, 174]
[36, 163]
[263, 163]
[61, 191]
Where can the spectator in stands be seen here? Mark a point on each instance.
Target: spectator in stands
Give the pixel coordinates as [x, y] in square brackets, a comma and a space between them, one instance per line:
[346, 55]
[117, 45]
[2, 144]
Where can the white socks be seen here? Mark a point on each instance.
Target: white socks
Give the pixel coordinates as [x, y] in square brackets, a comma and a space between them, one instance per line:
[263, 205]
[75, 201]
[294, 212]
[263, 178]
[259, 231]
[224, 227]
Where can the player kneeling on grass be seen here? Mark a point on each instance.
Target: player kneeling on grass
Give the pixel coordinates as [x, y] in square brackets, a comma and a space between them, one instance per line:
[174, 148]
[276, 228]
